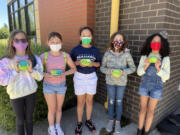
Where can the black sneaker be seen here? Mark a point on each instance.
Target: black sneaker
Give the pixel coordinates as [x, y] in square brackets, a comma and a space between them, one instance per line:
[139, 132]
[91, 126]
[78, 129]
[146, 133]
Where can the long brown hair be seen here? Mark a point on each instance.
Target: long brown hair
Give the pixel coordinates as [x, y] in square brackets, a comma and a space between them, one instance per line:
[11, 50]
[111, 46]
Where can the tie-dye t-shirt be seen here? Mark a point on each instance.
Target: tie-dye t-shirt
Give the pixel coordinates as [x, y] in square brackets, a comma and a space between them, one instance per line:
[22, 83]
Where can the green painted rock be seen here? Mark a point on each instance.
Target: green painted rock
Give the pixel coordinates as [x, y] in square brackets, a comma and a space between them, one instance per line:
[56, 72]
[85, 62]
[23, 65]
[116, 73]
[153, 59]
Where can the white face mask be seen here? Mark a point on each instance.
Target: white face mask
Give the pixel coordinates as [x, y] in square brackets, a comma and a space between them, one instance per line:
[55, 47]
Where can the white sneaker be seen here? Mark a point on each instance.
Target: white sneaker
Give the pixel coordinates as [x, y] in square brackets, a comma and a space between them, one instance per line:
[51, 132]
[118, 128]
[59, 131]
[109, 126]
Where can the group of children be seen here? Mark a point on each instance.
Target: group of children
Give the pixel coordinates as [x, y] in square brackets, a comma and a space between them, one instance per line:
[19, 69]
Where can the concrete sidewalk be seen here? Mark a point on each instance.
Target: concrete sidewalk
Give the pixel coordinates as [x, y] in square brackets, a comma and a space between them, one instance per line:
[99, 116]
[131, 129]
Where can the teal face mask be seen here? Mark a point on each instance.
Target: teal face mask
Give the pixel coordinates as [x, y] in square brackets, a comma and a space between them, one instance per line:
[86, 40]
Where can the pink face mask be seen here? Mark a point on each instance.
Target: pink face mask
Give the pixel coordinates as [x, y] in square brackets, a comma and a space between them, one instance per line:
[20, 46]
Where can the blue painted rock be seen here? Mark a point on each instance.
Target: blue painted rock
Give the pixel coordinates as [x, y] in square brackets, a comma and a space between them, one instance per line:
[56, 72]
[23, 65]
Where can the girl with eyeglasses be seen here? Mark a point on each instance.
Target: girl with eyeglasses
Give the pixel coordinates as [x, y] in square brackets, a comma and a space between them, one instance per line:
[19, 69]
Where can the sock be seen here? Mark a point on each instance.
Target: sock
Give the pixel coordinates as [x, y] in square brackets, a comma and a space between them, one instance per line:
[52, 128]
[57, 126]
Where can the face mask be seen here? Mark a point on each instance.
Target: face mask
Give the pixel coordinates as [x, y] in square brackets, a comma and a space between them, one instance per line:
[20, 46]
[55, 47]
[117, 43]
[156, 46]
[86, 40]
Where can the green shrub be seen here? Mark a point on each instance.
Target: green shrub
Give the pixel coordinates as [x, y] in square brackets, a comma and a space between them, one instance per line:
[3, 46]
[4, 33]
[7, 117]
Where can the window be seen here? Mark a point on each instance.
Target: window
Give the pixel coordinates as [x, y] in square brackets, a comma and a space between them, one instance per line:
[21, 16]
[17, 21]
[29, 1]
[22, 3]
[23, 20]
[12, 21]
[31, 20]
[11, 9]
[15, 6]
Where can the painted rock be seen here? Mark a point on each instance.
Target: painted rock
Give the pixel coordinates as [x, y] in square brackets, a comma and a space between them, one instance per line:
[23, 65]
[56, 72]
[116, 73]
[85, 62]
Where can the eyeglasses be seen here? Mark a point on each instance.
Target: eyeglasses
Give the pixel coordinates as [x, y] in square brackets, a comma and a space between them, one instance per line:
[20, 40]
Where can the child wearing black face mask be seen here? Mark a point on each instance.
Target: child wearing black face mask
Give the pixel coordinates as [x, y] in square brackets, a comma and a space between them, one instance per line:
[116, 65]
[154, 67]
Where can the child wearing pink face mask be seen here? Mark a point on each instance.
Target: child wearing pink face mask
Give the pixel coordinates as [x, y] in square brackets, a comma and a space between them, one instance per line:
[54, 86]
[154, 67]
[18, 71]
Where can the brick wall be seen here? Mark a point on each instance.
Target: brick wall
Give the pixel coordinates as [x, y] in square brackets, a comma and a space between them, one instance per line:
[65, 17]
[90, 13]
[139, 19]
[102, 27]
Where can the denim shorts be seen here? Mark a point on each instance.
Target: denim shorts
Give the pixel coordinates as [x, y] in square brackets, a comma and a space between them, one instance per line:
[152, 89]
[54, 88]
[151, 84]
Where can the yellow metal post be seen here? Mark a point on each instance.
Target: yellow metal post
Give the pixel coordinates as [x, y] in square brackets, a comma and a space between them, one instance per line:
[113, 25]
[114, 16]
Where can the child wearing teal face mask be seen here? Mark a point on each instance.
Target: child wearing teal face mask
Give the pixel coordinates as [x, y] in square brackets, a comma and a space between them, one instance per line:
[154, 67]
[87, 59]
